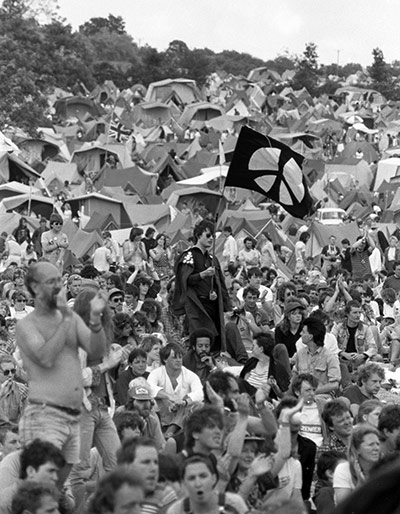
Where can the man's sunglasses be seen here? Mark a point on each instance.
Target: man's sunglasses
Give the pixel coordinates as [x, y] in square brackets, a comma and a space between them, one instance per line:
[7, 372]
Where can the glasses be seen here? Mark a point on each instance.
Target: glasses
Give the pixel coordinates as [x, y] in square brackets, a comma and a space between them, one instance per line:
[56, 223]
[137, 324]
[117, 300]
[7, 372]
[20, 300]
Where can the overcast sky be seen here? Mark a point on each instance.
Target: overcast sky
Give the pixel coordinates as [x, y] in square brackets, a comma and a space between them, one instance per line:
[348, 29]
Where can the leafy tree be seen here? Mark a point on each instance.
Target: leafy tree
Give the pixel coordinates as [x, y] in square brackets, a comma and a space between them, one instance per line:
[381, 76]
[112, 24]
[379, 71]
[307, 70]
[282, 63]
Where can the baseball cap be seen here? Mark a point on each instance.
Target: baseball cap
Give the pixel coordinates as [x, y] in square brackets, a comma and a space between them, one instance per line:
[115, 291]
[140, 392]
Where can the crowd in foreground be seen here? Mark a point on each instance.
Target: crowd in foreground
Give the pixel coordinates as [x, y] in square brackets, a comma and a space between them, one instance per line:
[145, 380]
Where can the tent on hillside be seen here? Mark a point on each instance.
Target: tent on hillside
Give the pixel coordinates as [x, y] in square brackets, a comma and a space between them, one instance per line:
[200, 111]
[133, 180]
[215, 174]
[56, 173]
[387, 168]
[84, 243]
[101, 222]
[157, 215]
[16, 188]
[10, 220]
[12, 168]
[39, 205]
[320, 235]
[93, 156]
[195, 195]
[348, 171]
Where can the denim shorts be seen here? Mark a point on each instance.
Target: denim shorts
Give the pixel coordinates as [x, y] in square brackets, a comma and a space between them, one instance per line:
[51, 424]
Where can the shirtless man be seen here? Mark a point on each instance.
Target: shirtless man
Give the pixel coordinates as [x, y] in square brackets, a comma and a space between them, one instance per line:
[48, 340]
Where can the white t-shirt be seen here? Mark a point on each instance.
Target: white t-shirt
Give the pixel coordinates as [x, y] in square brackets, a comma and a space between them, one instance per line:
[311, 423]
[269, 297]
[342, 477]
[100, 261]
[292, 470]
[330, 343]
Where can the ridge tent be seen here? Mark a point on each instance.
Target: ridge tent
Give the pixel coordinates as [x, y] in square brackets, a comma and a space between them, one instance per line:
[320, 235]
[84, 243]
[193, 195]
[133, 179]
[387, 168]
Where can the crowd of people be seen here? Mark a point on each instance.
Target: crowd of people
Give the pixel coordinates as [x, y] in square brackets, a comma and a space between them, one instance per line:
[145, 380]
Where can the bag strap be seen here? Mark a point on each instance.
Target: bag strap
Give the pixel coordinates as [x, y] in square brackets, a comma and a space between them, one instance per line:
[186, 505]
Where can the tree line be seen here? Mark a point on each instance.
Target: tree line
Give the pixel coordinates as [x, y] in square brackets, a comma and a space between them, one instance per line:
[35, 58]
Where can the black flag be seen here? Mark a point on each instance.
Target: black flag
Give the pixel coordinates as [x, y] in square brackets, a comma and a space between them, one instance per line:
[271, 168]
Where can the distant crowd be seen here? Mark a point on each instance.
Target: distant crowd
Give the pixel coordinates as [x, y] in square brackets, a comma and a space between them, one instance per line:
[152, 378]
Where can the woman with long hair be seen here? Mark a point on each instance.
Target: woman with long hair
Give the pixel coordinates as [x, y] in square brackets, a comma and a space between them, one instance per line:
[368, 413]
[363, 453]
[152, 309]
[161, 255]
[133, 249]
[267, 368]
[96, 425]
[288, 331]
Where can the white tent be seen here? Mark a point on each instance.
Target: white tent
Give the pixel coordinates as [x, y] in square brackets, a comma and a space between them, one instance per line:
[387, 168]
[208, 174]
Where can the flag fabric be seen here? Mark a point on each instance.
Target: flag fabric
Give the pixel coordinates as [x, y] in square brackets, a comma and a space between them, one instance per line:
[271, 168]
[118, 130]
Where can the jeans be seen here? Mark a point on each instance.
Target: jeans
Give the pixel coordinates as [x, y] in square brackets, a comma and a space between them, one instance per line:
[51, 424]
[97, 429]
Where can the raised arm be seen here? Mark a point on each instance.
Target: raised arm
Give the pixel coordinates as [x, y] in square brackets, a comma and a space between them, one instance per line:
[92, 338]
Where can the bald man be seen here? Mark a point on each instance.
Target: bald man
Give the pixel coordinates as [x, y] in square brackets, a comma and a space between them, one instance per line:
[48, 339]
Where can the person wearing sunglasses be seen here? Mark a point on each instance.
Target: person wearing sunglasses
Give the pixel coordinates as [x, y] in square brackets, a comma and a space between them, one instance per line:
[200, 290]
[54, 241]
[13, 393]
[116, 299]
[19, 308]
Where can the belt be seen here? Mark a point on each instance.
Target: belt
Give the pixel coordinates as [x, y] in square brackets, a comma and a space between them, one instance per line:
[67, 410]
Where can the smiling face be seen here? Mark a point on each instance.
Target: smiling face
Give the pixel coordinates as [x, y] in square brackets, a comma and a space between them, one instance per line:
[342, 424]
[248, 454]
[139, 365]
